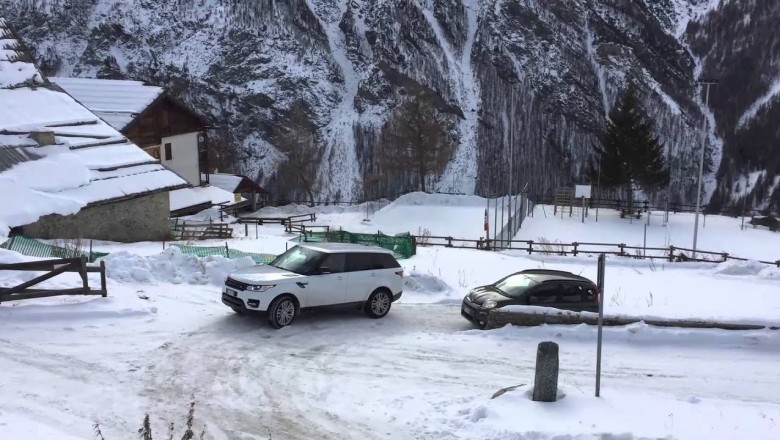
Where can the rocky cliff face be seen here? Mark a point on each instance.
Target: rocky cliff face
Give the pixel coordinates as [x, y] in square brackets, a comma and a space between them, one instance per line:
[739, 44]
[523, 85]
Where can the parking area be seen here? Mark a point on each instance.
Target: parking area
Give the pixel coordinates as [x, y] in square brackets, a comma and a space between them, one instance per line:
[418, 373]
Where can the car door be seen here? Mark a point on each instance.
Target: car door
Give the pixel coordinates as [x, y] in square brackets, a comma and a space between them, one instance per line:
[328, 285]
[580, 297]
[361, 277]
[571, 297]
[544, 295]
[389, 272]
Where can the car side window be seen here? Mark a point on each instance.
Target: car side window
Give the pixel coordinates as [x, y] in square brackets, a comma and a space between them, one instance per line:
[544, 294]
[572, 293]
[384, 261]
[357, 262]
[335, 263]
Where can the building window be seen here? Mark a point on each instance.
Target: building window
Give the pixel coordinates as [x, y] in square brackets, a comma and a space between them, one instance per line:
[168, 152]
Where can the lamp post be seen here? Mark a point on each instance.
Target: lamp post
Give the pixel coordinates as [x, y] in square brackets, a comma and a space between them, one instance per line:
[708, 83]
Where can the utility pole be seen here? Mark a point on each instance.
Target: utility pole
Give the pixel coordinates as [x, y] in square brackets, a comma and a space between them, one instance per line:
[598, 188]
[708, 83]
[744, 199]
[511, 155]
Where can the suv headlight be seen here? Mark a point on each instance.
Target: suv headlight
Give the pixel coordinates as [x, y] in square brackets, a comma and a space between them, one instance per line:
[489, 304]
[260, 288]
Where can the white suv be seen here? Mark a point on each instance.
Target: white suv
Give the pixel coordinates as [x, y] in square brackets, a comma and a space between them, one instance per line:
[317, 275]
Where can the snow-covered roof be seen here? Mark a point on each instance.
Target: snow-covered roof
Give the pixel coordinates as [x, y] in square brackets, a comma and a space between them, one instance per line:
[89, 161]
[228, 182]
[16, 70]
[118, 102]
[188, 197]
[234, 183]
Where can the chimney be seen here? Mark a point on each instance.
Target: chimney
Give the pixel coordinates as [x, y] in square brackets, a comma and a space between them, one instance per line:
[43, 138]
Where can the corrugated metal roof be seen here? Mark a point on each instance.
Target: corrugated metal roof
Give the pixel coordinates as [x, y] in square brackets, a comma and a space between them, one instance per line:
[10, 156]
[117, 102]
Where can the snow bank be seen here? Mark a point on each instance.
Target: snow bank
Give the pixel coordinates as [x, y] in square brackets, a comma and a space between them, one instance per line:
[748, 268]
[580, 416]
[421, 198]
[426, 288]
[172, 266]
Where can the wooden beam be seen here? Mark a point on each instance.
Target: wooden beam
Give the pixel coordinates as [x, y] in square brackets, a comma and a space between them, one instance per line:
[31, 294]
[42, 265]
[104, 291]
[44, 277]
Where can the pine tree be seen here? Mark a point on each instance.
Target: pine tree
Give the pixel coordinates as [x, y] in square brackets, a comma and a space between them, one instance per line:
[629, 155]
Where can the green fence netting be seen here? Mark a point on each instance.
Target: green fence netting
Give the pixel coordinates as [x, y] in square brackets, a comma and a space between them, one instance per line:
[34, 248]
[224, 251]
[402, 244]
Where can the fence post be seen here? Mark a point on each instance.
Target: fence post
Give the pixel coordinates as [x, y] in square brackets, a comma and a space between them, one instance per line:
[90, 250]
[83, 273]
[671, 254]
[622, 247]
[530, 247]
[103, 278]
[725, 257]
[449, 241]
[246, 230]
[227, 250]
[575, 248]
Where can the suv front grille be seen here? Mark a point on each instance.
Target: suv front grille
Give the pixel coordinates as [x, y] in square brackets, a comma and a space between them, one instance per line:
[233, 284]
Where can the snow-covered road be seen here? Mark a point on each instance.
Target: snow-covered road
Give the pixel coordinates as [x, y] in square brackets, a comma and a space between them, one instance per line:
[415, 374]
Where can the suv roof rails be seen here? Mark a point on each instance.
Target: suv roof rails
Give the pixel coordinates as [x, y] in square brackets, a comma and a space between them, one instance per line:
[550, 271]
[562, 273]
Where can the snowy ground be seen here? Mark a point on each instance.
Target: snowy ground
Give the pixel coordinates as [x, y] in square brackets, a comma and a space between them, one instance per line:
[716, 233]
[422, 372]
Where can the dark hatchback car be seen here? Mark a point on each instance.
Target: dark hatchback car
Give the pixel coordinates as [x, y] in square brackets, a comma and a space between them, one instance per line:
[533, 287]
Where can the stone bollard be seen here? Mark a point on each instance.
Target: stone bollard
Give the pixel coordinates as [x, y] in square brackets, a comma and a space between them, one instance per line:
[546, 379]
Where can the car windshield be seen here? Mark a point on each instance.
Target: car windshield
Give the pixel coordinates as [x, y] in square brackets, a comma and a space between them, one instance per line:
[300, 260]
[514, 285]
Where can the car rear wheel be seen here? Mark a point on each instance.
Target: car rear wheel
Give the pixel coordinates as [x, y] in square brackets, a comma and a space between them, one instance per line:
[282, 312]
[378, 304]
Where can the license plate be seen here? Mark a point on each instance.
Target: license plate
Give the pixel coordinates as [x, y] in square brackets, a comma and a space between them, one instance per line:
[231, 292]
[467, 310]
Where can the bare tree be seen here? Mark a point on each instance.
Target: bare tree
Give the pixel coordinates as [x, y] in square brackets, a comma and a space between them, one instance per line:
[298, 142]
[416, 142]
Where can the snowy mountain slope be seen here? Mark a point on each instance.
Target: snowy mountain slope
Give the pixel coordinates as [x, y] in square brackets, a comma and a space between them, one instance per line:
[739, 44]
[498, 71]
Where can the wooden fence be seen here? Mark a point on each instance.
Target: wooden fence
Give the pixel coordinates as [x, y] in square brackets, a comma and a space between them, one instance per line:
[671, 253]
[52, 269]
[201, 231]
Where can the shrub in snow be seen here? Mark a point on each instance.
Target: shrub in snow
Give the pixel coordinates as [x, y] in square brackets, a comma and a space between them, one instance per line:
[145, 431]
[172, 266]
